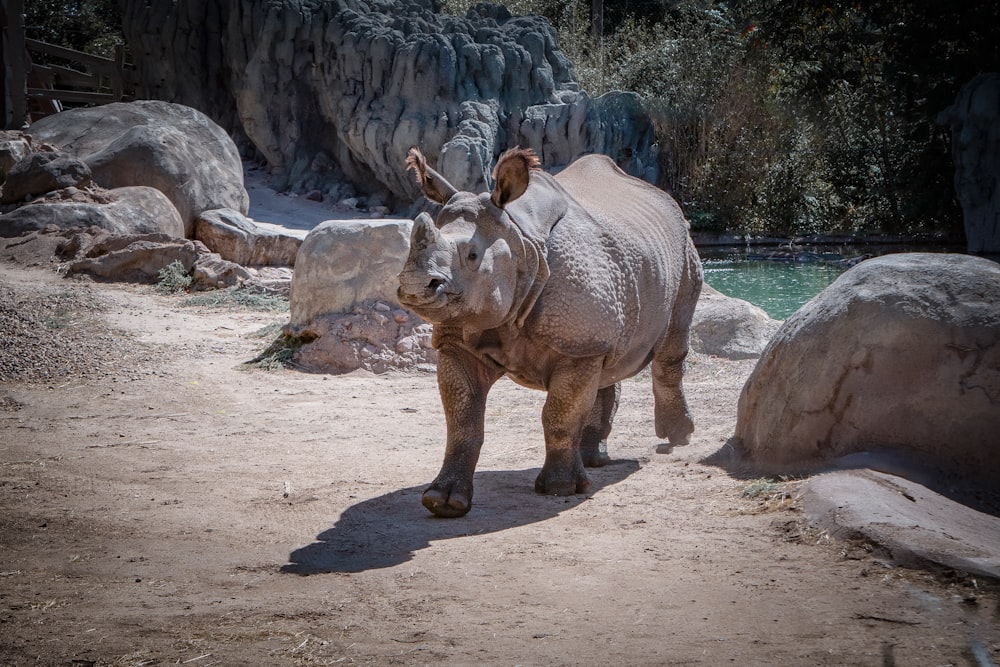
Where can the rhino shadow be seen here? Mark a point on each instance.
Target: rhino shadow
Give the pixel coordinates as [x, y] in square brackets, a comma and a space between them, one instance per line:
[386, 531]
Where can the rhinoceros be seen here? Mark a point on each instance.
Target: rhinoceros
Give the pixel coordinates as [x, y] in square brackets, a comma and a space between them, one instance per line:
[568, 284]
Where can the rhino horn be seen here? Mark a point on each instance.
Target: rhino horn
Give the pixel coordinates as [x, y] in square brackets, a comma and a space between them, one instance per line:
[511, 175]
[435, 186]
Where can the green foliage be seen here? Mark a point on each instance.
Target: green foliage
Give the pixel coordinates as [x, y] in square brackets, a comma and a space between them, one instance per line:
[173, 278]
[91, 26]
[790, 117]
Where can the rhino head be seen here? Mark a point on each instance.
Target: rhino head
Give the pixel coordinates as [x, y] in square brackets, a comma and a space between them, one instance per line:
[474, 266]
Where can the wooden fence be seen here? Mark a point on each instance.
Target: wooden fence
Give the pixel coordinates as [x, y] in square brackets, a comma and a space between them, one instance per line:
[32, 90]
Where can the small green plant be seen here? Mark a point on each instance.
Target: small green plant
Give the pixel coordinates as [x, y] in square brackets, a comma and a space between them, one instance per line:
[174, 278]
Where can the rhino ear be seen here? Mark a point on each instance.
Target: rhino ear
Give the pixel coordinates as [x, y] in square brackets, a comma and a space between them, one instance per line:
[511, 175]
[433, 184]
[425, 232]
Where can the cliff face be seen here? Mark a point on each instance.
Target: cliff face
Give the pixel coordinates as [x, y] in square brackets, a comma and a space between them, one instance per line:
[340, 89]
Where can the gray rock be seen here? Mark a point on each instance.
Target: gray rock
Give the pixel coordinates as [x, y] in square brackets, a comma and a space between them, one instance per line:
[913, 523]
[130, 210]
[344, 263]
[975, 145]
[237, 239]
[14, 147]
[343, 300]
[211, 271]
[371, 336]
[40, 173]
[136, 258]
[140, 258]
[340, 90]
[173, 148]
[901, 353]
[727, 327]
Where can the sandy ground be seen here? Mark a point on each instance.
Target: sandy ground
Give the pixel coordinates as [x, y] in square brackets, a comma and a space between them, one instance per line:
[160, 504]
[163, 503]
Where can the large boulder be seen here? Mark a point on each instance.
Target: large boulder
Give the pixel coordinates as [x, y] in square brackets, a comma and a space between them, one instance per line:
[344, 263]
[237, 239]
[899, 356]
[176, 149]
[343, 300]
[129, 210]
[975, 145]
[727, 327]
[342, 89]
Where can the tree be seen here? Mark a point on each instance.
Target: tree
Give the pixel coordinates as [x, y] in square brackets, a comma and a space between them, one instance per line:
[91, 26]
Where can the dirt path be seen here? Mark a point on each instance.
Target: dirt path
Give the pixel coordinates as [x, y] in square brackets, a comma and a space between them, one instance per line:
[159, 505]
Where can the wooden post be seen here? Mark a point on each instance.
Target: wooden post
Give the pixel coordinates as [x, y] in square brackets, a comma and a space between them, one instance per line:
[118, 76]
[14, 65]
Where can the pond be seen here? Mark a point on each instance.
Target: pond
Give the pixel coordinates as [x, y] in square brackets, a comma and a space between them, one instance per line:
[780, 279]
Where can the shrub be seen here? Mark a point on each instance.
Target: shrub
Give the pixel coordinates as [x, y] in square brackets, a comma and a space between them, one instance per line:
[173, 278]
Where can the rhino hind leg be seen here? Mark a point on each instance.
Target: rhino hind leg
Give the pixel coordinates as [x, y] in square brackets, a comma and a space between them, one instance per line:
[671, 414]
[593, 442]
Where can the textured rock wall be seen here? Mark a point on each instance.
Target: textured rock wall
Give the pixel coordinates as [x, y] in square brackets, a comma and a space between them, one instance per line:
[341, 89]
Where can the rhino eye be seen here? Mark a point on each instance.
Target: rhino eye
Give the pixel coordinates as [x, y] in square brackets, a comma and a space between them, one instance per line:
[473, 256]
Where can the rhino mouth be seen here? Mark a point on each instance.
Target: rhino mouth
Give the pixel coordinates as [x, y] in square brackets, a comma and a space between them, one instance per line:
[433, 296]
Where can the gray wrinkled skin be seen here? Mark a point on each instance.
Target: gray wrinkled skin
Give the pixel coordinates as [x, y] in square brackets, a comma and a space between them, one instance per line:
[567, 284]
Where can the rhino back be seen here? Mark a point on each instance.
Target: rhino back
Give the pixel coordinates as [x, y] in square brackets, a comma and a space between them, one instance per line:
[616, 259]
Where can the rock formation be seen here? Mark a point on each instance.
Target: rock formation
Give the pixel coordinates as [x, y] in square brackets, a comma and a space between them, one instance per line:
[175, 149]
[340, 90]
[343, 300]
[975, 144]
[901, 354]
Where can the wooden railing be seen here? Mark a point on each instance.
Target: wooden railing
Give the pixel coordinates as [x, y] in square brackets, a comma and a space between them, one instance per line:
[32, 90]
[104, 80]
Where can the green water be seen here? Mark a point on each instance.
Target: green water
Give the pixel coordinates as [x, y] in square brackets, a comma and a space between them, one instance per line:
[780, 287]
[780, 279]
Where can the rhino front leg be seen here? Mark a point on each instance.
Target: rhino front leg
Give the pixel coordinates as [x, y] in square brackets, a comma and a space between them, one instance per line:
[464, 382]
[572, 392]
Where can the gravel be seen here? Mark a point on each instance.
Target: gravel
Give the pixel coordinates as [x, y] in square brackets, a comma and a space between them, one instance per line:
[50, 334]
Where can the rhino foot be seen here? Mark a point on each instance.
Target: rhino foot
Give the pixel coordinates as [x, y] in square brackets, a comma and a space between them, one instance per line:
[448, 499]
[595, 458]
[677, 431]
[594, 451]
[559, 478]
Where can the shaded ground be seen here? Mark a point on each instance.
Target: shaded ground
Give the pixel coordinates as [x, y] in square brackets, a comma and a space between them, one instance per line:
[160, 504]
